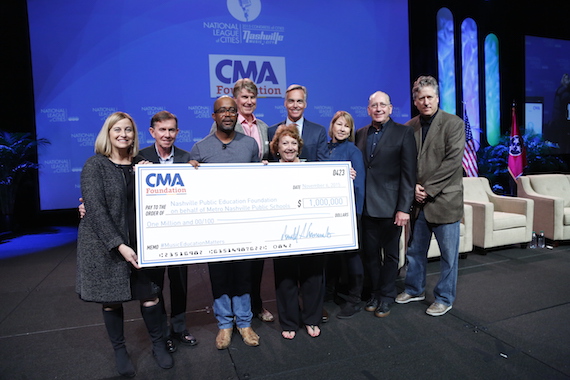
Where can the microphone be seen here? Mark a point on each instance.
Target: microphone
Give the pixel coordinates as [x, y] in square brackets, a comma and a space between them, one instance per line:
[224, 146]
[245, 4]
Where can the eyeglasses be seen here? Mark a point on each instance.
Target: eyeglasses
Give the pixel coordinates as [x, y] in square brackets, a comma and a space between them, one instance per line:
[231, 111]
[379, 105]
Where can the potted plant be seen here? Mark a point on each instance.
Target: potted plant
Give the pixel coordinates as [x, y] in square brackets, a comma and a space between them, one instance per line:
[17, 152]
[540, 155]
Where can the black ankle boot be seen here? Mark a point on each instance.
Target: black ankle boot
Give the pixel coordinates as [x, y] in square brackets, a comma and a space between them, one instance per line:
[115, 327]
[152, 316]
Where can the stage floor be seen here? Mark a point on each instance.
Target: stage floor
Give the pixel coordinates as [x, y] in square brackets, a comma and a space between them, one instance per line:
[510, 320]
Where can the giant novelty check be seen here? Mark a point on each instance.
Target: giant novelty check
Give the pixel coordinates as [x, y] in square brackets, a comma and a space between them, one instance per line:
[224, 212]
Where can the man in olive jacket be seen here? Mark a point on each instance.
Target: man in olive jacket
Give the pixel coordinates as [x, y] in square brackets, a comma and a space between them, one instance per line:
[440, 141]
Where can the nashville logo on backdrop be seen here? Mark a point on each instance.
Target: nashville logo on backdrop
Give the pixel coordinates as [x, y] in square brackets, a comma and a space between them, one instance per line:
[267, 72]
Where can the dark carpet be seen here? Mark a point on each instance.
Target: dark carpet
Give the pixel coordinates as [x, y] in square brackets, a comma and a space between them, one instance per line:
[510, 320]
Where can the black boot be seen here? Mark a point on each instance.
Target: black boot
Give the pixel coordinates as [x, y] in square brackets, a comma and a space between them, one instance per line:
[114, 323]
[152, 316]
[352, 305]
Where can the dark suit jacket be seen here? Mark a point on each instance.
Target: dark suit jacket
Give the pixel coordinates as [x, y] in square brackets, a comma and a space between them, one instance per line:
[439, 166]
[314, 140]
[149, 153]
[391, 173]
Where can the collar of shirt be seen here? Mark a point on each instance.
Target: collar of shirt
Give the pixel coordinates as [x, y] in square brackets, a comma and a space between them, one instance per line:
[373, 129]
[251, 130]
[299, 124]
[427, 121]
[334, 145]
[167, 160]
[242, 120]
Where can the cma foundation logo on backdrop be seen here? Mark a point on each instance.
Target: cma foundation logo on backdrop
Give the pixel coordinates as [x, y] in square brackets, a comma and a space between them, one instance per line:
[243, 32]
[268, 73]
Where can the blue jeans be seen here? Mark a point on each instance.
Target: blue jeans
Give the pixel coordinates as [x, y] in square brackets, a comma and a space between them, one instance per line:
[447, 236]
[239, 306]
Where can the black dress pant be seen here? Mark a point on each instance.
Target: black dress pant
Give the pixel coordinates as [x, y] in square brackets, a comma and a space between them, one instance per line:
[304, 276]
[381, 234]
[178, 278]
[256, 275]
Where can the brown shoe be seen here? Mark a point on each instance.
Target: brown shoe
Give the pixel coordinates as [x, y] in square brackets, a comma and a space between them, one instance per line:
[265, 315]
[325, 317]
[249, 336]
[224, 338]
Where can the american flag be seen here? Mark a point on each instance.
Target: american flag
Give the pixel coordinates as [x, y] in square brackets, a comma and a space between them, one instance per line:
[470, 154]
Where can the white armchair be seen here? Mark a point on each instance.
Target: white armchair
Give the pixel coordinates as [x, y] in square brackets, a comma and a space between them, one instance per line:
[465, 234]
[551, 196]
[497, 220]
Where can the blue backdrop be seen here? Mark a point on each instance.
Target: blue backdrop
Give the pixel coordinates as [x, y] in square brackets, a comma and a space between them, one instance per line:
[139, 56]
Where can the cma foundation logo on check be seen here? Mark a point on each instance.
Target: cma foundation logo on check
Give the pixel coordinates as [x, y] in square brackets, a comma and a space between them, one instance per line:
[164, 183]
[268, 73]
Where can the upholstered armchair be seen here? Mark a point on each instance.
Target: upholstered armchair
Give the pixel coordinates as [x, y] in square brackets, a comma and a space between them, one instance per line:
[497, 220]
[465, 235]
[465, 238]
[551, 196]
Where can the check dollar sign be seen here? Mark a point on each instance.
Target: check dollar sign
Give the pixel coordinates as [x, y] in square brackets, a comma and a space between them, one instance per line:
[299, 203]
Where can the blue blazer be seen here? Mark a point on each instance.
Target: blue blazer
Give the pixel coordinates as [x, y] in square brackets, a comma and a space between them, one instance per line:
[314, 140]
[149, 153]
[347, 151]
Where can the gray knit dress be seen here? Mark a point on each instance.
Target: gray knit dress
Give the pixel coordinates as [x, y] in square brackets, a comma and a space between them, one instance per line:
[103, 275]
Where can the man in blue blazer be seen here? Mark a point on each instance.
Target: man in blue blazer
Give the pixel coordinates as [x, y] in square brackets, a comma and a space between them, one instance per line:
[389, 151]
[164, 129]
[314, 135]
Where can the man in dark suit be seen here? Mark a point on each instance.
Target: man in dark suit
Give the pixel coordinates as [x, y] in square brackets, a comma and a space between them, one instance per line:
[389, 151]
[314, 135]
[440, 141]
[164, 129]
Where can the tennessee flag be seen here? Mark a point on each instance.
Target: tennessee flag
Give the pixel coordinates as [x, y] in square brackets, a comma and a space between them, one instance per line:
[517, 152]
